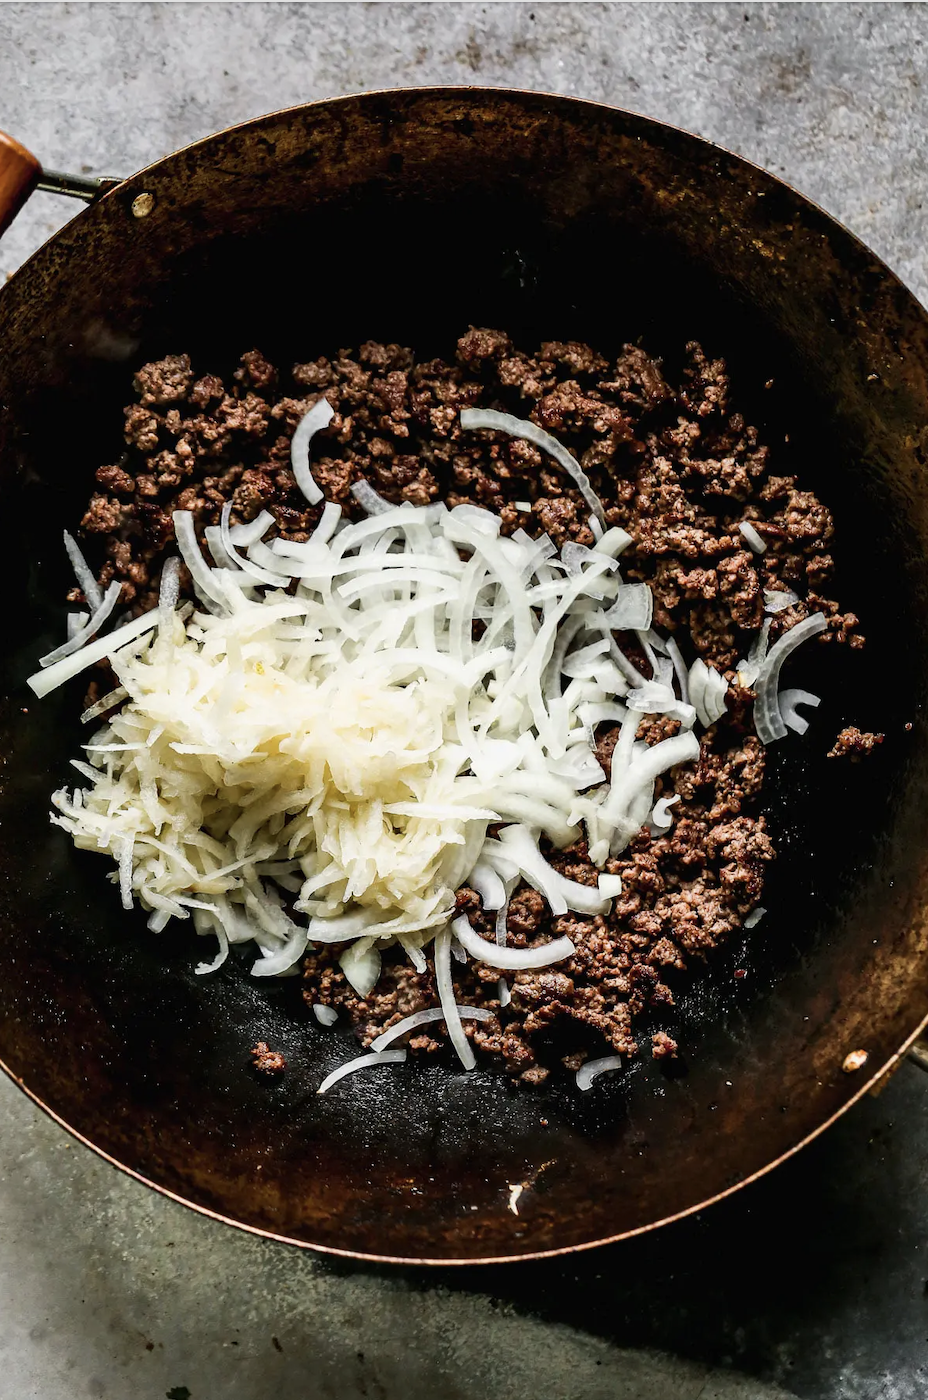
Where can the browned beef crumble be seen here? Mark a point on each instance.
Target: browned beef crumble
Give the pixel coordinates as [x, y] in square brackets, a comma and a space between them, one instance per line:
[675, 464]
[266, 1060]
[855, 744]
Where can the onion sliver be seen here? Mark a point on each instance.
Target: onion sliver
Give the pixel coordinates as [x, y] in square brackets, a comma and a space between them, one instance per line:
[76, 620]
[45, 681]
[422, 1018]
[661, 817]
[679, 669]
[284, 957]
[247, 534]
[511, 959]
[707, 692]
[530, 432]
[369, 499]
[752, 538]
[361, 965]
[247, 565]
[588, 1072]
[92, 625]
[82, 572]
[789, 699]
[778, 599]
[106, 702]
[446, 997]
[768, 720]
[632, 609]
[383, 1057]
[202, 575]
[325, 1015]
[319, 416]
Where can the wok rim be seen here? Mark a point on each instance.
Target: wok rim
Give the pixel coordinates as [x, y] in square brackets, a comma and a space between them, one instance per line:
[878, 1077]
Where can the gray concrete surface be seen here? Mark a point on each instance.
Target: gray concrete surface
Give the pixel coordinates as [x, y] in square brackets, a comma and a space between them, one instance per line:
[108, 1291]
[830, 96]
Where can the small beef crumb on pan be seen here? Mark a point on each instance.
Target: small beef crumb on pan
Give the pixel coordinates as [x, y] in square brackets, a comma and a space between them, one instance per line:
[266, 1060]
[854, 744]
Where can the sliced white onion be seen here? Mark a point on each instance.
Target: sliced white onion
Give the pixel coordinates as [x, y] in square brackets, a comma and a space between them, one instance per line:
[361, 965]
[778, 599]
[789, 699]
[168, 589]
[755, 916]
[633, 608]
[660, 817]
[519, 849]
[502, 920]
[106, 702]
[486, 521]
[283, 958]
[383, 1057]
[530, 432]
[45, 681]
[422, 1018]
[574, 556]
[503, 992]
[588, 1072]
[489, 886]
[512, 959]
[679, 668]
[749, 670]
[369, 499]
[445, 988]
[319, 416]
[253, 530]
[768, 720]
[325, 1015]
[616, 820]
[752, 538]
[614, 542]
[76, 620]
[248, 566]
[707, 692]
[203, 968]
[83, 573]
[92, 625]
[202, 575]
[328, 522]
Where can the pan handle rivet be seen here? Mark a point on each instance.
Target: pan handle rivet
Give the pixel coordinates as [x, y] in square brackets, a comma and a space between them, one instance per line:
[142, 205]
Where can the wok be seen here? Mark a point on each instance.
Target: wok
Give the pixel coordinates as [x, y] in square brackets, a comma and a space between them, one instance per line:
[408, 216]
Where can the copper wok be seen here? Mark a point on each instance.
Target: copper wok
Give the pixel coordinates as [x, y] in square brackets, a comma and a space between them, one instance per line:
[407, 216]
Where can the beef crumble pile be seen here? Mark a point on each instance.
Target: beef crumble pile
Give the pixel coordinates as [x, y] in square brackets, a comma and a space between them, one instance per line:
[675, 466]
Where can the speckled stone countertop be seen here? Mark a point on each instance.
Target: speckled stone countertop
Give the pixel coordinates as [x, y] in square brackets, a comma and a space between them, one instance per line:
[813, 1283]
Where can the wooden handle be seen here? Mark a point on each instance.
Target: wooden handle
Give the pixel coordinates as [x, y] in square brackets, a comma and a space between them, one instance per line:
[19, 175]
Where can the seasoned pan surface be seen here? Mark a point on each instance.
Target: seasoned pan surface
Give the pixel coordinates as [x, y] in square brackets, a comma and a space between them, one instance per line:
[406, 217]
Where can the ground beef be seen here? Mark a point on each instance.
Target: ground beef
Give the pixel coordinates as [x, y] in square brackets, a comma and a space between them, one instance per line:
[855, 744]
[266, 1060]
[676, 465]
